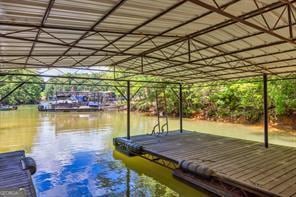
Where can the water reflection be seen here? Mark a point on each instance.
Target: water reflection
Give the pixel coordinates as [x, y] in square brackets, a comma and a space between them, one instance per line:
[75, 155]
[156, 172]
[85, 174]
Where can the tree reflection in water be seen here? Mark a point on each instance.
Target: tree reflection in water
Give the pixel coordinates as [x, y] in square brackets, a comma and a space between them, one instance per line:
[93, 174]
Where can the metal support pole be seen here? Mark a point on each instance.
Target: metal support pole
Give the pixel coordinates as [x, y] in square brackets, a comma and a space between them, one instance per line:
[166, 111]
[181, 108]
[128, 97]
[157, 110]
[265, 106]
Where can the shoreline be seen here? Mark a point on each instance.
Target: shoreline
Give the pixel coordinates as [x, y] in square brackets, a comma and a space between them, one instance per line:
[274, 128]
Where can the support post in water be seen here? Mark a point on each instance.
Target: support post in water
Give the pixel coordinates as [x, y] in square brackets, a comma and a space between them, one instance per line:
[128, 100]
[181, 108]
[265, 107]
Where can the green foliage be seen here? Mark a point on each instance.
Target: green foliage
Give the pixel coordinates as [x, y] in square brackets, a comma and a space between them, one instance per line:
[27, 94]
[243, 100]
[237, 100]
[283, 96]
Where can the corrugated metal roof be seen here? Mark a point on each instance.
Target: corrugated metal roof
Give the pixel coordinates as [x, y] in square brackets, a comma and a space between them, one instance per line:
[189, 41]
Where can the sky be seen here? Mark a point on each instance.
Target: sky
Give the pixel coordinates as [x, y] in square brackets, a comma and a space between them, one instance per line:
[62, 71]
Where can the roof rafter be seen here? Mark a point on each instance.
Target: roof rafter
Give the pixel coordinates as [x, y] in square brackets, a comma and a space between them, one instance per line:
[76, 46]
[207, 30]
[76, 29]
[245, 22]
[91, 29]
[44, 18]
[85, 68]
[138, 27]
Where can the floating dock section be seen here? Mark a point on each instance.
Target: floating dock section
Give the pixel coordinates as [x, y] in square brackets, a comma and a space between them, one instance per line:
[221, 165]
[15, 174]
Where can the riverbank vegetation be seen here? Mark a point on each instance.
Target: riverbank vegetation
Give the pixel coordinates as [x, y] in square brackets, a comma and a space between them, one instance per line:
[234, 102]
[29, 93]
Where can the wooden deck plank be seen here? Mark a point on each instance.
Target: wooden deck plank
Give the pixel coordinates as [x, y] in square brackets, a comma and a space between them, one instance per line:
[235, 158]
[278, 171]
[253, 164]
[284, 179]
[231, 151]
[185, 148]
[290, 191]
[191, 146]
[12, 175]
[240, 158]
[242, 161]
[207, 153]
[286, 184]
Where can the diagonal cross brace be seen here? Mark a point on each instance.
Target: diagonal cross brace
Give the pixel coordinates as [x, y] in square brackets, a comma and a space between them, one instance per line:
[12, 91]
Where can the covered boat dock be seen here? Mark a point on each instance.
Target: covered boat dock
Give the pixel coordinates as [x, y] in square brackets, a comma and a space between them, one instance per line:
[183, 42]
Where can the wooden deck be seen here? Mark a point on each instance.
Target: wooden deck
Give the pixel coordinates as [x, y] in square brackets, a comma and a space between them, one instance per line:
[240, 163]
[12, 175]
